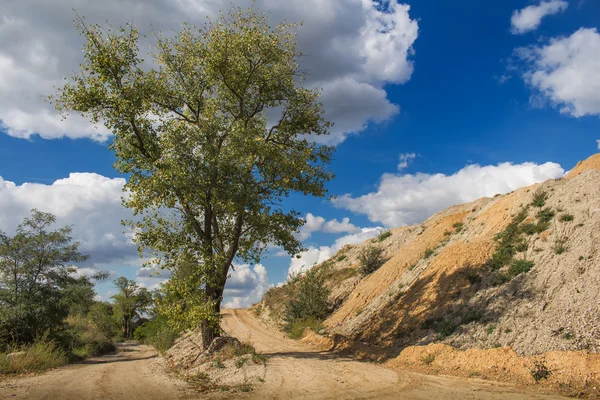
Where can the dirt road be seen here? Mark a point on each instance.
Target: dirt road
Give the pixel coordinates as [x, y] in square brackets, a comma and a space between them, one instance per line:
[294, 371]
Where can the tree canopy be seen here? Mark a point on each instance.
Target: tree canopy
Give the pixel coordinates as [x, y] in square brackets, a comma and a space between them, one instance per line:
[214, 132]
[37, 286]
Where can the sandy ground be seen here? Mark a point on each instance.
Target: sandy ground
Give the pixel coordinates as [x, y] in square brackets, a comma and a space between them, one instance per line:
[294, 371]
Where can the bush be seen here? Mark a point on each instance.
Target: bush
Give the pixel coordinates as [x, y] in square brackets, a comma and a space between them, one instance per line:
[384, 234]
[458, 226]
[510, 241]
[566, 218]
[540, 371]
[545, 215]
[370, 260]
[308, 299]
[539, 198]
[41, 355]
[518, 267]
[428, 253]
[157, 333]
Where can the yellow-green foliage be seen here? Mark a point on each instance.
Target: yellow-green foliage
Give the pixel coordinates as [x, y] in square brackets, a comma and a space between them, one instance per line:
[41, 355]
[296, 329]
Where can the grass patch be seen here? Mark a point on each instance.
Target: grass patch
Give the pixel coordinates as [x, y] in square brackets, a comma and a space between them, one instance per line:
[458, 226]
[384, 234]
[560, 245]
[539, 198]
[568, 336]
[509, 242]
[295, 330]
[39, 356]
[342, 257]
[545, 215]
[566, 218]
[519, 267]
[428, 253]
[490, 329]
[428, 359]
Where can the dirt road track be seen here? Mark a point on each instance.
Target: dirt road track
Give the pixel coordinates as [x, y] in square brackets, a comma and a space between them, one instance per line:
[294, 371]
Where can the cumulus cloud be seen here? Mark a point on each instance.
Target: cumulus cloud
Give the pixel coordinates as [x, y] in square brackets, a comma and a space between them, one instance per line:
[88, 201]
[530, 18]
[408, 199]
[316, 255]
[246, 285]
[352, 48]
[565, 72]
[598, 142]
[319, 224]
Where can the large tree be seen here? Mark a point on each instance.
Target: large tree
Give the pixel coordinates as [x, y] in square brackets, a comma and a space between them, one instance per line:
[214, 132]
[38, 287]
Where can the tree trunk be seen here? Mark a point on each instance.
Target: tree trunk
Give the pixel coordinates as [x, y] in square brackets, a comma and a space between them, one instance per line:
[209, 330]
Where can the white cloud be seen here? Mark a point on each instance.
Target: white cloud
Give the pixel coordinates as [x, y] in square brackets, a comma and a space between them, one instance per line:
[352, 48]
[315, 255]
[409, 199]
[88, 201]
[598, 142]
[319, 224]
[565, 72]
[530, 18]
[246, 286]
[405, 159]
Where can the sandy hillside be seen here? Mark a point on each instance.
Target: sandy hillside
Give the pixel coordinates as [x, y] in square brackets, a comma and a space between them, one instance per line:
[440, 284]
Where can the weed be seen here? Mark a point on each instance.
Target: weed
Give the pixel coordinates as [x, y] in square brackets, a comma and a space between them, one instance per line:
[539, 198]
[38, 356]
[296, 329]
[447, 233]
[545, 215]
[518, 267]
[342, 257]
[239, 363]
[428, 359]
[568, 336]
[540, 371]
[384, 234]
[507, 330]
[218, 363]
[496, 345]
[458, 226]
[490, 329]
[559, 245]
[509, 241]
[245, 387]
[370, 260]
[412, 267]
[259, 359]
[566, 218]
[581, 258]
[428, 253]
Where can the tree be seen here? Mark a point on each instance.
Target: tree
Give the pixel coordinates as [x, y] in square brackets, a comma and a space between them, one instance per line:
[37, 285]
[213, 136]
[130, 302]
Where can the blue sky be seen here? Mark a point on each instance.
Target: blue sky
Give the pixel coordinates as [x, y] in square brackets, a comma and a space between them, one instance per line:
[488, 95]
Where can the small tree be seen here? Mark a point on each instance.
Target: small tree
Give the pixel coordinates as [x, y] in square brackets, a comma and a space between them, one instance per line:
[37, 285]
[370, 260]
[308, 298]
[213, 137]
[130, 302]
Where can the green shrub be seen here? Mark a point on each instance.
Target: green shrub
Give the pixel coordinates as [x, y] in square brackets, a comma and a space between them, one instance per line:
[342, 257]
[566, 218]
[428, 253]
[559, 245]
[384, 234]
[157, 333]
[518, 267]
[539, 198]
[510, 241]
[308, 300]
[370, 260]
[545, 215]
[41, 355]
[458, 226]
